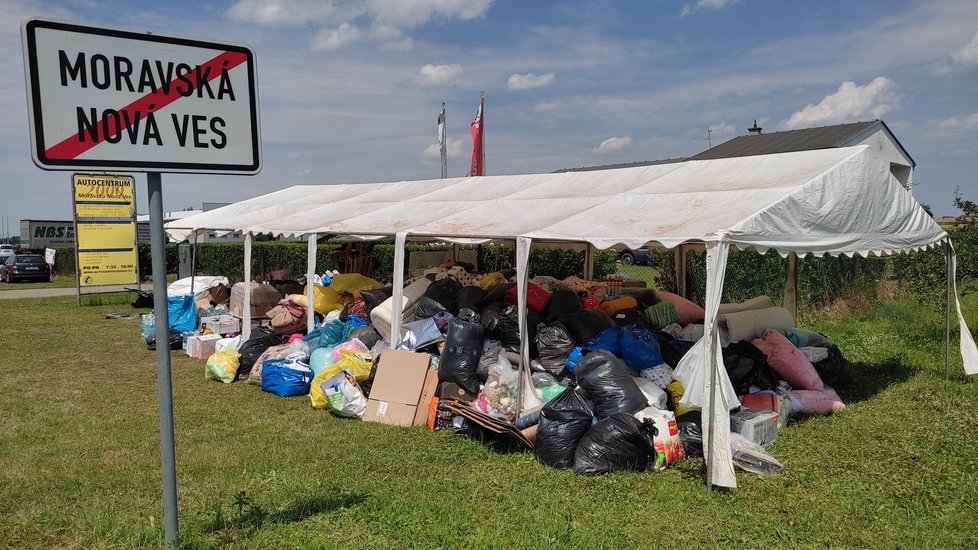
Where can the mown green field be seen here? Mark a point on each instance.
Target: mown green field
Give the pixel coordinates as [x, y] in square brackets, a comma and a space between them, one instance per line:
[79, 445]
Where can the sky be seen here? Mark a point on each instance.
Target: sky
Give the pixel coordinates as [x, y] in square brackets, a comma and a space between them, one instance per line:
[350, 90]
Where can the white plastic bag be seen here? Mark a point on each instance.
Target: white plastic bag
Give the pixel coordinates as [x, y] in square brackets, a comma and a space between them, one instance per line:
[345, 398]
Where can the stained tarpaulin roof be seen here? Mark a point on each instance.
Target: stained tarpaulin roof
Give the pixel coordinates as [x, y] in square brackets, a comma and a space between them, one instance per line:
[838, 201]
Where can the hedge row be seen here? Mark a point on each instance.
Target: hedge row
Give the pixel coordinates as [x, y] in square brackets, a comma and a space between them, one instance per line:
[821, 280]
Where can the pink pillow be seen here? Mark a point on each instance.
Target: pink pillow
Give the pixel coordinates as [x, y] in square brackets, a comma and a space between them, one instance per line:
[818, 402]
[788, 362]
[688, 311]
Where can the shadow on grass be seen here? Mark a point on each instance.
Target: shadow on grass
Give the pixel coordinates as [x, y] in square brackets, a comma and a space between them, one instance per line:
[252, 517]
[869, 379]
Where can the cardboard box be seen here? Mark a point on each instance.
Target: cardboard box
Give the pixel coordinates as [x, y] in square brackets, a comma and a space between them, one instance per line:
[221, 324]
[759, 426]
[453, 392]
[202, 346]
[427, 394]
[397, 388]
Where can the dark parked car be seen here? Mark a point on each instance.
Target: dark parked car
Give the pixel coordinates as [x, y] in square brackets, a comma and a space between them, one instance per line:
[639, 256]
[19, 267]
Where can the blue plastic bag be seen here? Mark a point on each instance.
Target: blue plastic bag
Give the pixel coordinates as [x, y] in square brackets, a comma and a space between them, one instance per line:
[573, 359]
[285, 377]
[608, 339]
[182, 312]
[640, 348]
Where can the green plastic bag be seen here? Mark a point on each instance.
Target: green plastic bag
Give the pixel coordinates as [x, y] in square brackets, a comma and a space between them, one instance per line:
[223, 366]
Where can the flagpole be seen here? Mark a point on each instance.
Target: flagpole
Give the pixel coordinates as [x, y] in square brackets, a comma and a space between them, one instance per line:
[482, 134]
[442, 138]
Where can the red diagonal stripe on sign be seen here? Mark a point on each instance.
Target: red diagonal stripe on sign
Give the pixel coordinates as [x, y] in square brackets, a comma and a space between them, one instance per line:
[72, 147]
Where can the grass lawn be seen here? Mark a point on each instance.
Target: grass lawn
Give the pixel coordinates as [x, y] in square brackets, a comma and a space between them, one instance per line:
[79, 445]
[57, 281]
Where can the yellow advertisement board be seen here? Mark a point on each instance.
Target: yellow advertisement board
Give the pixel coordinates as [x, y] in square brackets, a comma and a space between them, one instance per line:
[103, 196]
[106, 252]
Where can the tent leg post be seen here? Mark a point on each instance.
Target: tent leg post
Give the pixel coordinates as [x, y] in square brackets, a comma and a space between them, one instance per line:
[791, 285]
[680, 269]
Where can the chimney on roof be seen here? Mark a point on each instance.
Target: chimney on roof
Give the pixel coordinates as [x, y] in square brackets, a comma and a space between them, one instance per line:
[755, 130]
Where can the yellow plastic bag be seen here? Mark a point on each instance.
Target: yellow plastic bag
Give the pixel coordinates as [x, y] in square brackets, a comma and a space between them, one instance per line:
[357, 363]
[676, 391]
[324, 299]
[353, 283]
[491, 279]
[223, 366]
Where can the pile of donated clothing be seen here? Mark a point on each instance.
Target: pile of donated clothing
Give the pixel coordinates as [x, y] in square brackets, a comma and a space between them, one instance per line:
[602, 395]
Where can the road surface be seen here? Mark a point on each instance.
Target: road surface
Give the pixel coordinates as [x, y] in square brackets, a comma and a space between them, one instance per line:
[10, 291]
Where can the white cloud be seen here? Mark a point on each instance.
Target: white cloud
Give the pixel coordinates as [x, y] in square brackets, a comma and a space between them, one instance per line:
[454, 148]
[304, 173]
[413, 13]
[966, 56]
[433, 76]
[529, 81]
[955, 123]
[547, 106]
[706, 5]
[613, 144]
[849, 103]
[334, 39]
[294, 12]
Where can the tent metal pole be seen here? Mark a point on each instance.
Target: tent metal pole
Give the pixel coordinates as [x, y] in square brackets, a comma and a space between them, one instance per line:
[947, 313]
[310, 272]
[246, 314]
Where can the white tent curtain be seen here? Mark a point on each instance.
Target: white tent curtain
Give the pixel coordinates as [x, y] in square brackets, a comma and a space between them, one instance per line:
[969, 352]
[718, 389]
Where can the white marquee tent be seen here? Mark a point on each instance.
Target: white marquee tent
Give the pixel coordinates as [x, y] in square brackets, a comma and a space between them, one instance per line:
[832, 201]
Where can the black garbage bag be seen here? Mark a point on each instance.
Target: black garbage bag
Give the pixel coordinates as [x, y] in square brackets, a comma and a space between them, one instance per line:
[471, 297]
[469, 315]
[496, 293]
[445, 292]
[619, 442]
[143, 298]
[835, 370]
[611, 388]
[261, 339]
[554, 345]
[563, 422]
[747, 366]
[460, 360]
[373, 298]
[645, 298]
[427, 307]
[562, 302]
[366, 334]
[672, 350]
[584, 325]
[627, 317]
[690, 426]
[506, 328]
[175, 340]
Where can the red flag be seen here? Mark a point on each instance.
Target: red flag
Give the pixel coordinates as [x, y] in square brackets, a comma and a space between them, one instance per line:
[478, 161]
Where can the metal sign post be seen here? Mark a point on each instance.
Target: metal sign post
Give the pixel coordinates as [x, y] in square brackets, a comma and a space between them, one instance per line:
[164, 385]
[111, 99]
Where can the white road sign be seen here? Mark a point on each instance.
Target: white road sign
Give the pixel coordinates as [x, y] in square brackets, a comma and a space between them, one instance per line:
[107, 99]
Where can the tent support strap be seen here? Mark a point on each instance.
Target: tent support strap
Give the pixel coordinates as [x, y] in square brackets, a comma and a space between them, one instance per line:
[947, 312]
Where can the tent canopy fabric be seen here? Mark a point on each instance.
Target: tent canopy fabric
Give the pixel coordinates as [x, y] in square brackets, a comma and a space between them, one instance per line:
[838, 201]
[829, 201]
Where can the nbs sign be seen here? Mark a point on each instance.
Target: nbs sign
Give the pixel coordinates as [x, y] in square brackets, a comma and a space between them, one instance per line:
[108, 99]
